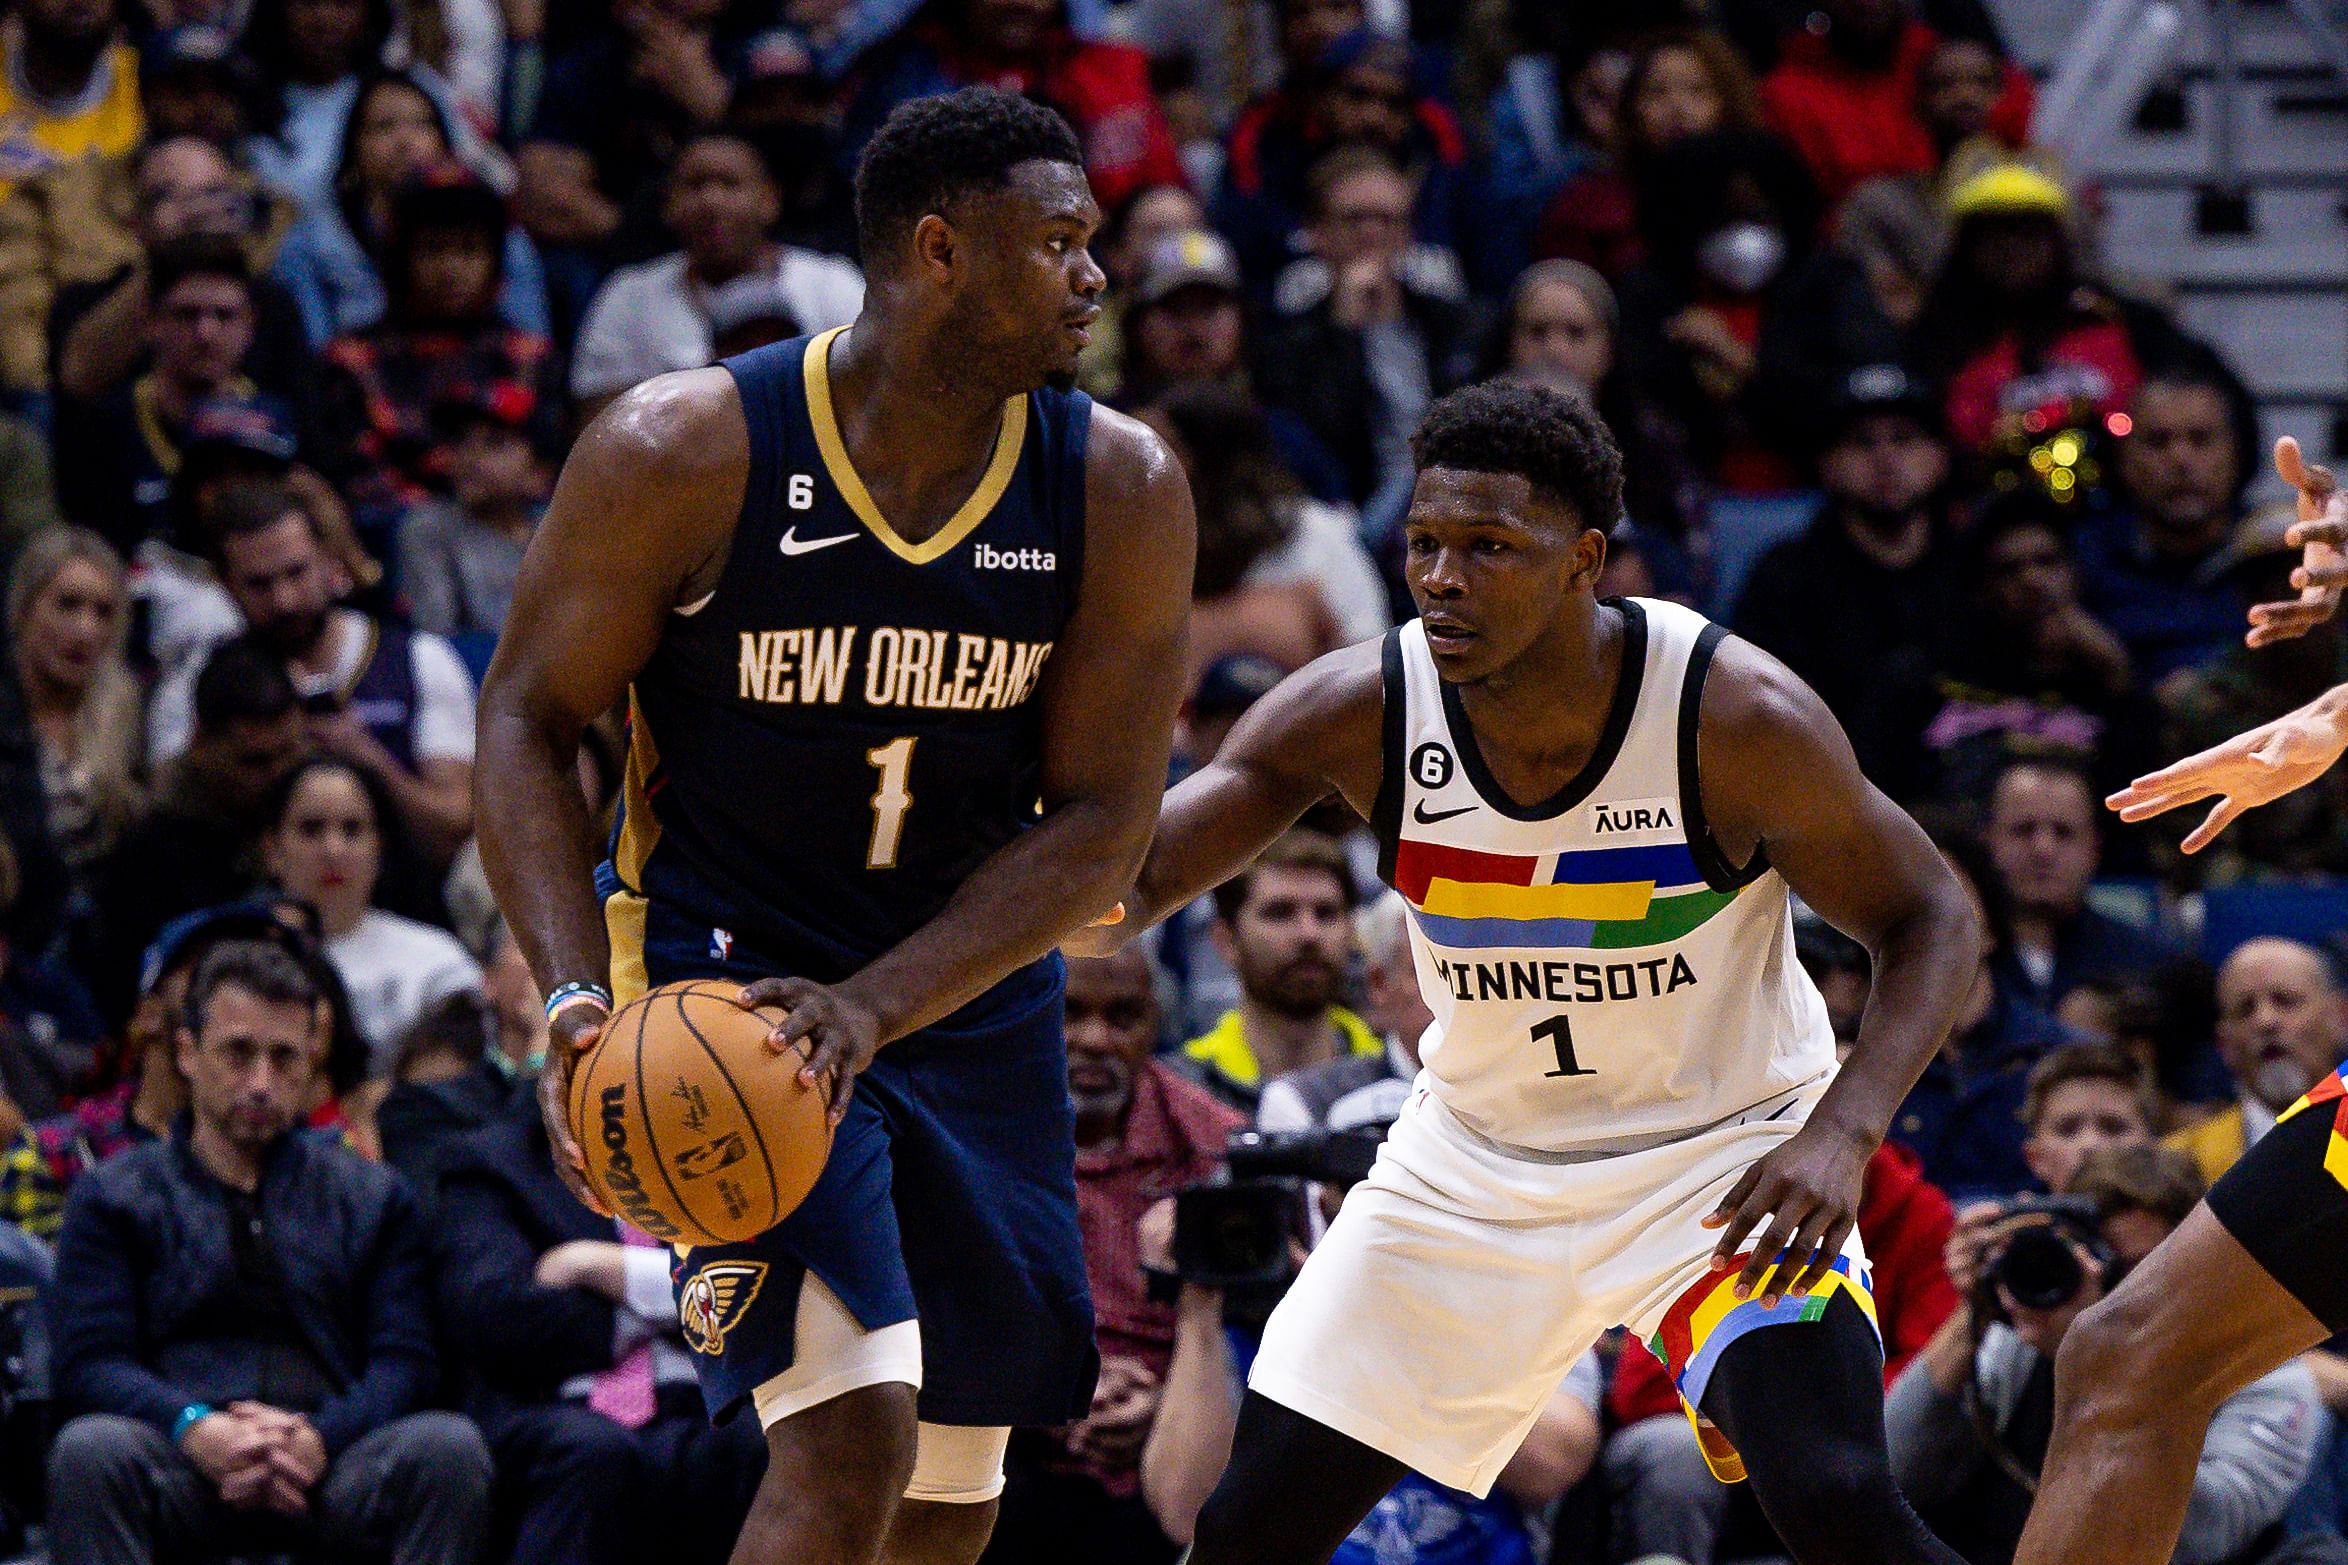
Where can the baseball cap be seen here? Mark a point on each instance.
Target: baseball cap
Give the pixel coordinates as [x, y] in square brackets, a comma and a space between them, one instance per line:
[280, 920]
[194, 47]
[1880, 388]
[752, 297]
[2009, 188]
[1193, 258]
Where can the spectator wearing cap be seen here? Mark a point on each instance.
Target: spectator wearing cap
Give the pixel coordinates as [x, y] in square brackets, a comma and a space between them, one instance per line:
[1358, 92]
[396, 703]
[2304, 833]
[569, 1357]
[242, 1319]
[1369, 332]
[1226, 688]
[196, 80]
[193, 845]
[69, 87]
[1183, 322]
[90, 240]
[651, 318]
[1878, 550]
[2155, 564]
[332, 260]
[116, 456]
[459, 557]
[441, 338]
[1846, 95]
[1103, 89]
[1129, 233]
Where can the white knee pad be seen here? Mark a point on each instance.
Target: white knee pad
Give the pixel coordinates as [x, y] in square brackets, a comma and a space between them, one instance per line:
[957, 1464]
[832, 1354]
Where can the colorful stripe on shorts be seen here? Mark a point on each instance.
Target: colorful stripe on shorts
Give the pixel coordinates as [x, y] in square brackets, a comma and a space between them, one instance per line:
[1701, 1324]
[2333, 1089]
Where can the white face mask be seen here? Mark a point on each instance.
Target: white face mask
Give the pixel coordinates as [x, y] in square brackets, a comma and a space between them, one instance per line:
[1742, 257]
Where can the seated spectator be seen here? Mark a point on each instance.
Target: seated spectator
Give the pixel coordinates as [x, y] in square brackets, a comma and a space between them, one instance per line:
[71, 694]
[116, 455]
[333, 260]
[1561, 328]
[574, 1367]
[2146, 562]
[2080, 1100]
[441, 336]
[2282, 1027]
[89, 272]
[2022, 669]
[1963, 1117]
[196, 80]
[1896, 226]
[311, 56]
[447, 1080]
[1846, 94]
[396, 703]
[192, 847]
[1362, 1089]
[1278, 575]
[1682, 82]
[2044, 836]
[69, 87]
[1183, 323]
[2023, 342]
[458, 557]
[50, 1034]
[1284, 926]
[1745, 329]
[1370, 331]
[1998, 1355]
[2165, 1022]
[1129, 235]
[242, 1319]
[1142, 1133]
[1666, 1501]
[1879, 550]
[325, 845]
[1358, 94]
[2305, 832]
[651, 318]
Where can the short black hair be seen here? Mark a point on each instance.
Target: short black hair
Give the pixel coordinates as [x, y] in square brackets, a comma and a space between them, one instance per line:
[196, 255]
[261, 968]
[1554, 440]
[249, 506]
[931, 151]
[1298, 849]
[242, 682]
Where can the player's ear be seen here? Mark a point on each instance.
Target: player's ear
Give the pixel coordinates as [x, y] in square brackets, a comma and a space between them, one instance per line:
[1589, 557]
[935, 251]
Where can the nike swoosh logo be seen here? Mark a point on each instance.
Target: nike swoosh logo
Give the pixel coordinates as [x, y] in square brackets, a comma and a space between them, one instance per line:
[796, 545]
[1424, 819]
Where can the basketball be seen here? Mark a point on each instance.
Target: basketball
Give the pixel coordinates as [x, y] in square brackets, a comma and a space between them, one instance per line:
[693, 1130]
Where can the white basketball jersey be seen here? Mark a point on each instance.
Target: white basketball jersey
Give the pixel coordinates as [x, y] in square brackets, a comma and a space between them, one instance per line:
[1599, 976]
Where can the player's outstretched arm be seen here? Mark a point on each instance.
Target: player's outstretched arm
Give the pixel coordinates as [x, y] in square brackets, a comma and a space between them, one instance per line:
[1315, 734]
[1778, 776]
[638, 524]
[2321, 533]
[1108, 697]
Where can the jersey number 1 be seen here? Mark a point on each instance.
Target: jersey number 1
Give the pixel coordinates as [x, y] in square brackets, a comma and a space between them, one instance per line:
[1559, 1031]
[890, 801]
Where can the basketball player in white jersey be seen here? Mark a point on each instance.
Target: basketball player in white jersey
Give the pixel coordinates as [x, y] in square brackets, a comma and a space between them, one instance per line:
[1630, 1107]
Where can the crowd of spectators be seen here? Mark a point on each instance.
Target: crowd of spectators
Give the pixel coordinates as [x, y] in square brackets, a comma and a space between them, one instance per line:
[301, 303]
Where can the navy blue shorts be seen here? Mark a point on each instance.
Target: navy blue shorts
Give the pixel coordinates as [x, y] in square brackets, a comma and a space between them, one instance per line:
[949, 1198]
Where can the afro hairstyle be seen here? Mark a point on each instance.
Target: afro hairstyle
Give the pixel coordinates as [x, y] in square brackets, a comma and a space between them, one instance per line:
[1553, 440]
[931, 151]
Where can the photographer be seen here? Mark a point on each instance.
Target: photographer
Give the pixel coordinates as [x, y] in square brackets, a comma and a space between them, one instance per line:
[1968, 1420]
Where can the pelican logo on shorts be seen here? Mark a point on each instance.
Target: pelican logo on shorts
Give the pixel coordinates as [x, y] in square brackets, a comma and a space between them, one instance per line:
[619, 1170]
[698, 1161]
[715, 1301]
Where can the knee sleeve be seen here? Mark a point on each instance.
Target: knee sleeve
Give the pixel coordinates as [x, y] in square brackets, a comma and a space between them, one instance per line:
[832, 1354]
[957, 1464]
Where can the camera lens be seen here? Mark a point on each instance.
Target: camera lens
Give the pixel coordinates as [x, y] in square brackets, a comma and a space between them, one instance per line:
[2039, 1269]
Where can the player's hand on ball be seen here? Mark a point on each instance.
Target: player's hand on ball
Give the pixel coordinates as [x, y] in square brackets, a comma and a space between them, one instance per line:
[573, 1032]
[840, 1036]
[1808, 1189]
[2321, 533]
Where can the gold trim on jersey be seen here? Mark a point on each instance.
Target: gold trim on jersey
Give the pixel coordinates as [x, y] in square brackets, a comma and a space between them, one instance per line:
[625, 910]
[815, 368]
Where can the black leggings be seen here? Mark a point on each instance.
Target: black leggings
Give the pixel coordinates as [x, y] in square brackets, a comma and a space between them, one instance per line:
[1809, 1404]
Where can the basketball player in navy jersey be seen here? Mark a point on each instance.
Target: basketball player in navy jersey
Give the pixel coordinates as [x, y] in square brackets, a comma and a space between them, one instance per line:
[1630, 1111]
[893, 614]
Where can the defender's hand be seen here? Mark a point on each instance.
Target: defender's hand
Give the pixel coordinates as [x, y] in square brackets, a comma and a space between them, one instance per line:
[1808, 1187]
[574, 1031]
[2247, 770]
[841, 1036]
[2322, 533]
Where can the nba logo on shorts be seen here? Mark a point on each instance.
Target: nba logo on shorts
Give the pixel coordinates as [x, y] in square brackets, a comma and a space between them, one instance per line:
[721, 944]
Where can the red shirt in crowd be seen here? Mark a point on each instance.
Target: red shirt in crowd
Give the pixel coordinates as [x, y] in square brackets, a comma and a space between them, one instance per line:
[1103, 89]
[2092, 365]
[1904, 1222]
[1851, 123]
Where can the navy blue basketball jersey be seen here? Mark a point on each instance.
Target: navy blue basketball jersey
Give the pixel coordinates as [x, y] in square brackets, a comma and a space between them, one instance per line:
[821, 750]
